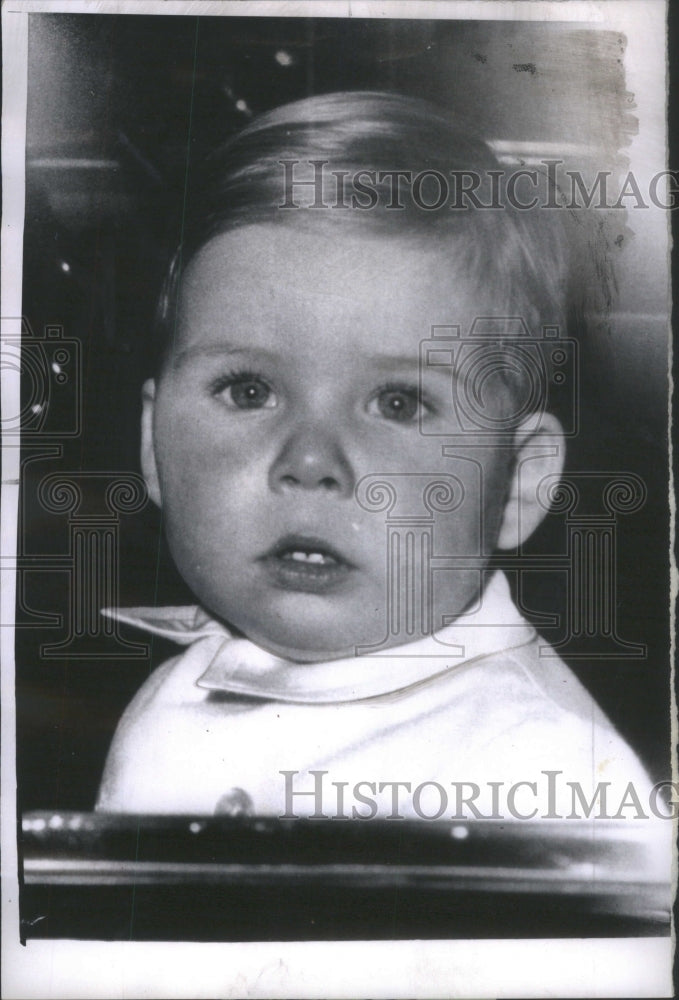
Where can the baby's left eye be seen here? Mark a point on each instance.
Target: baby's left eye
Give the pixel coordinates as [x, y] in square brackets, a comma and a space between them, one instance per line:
[395, 402]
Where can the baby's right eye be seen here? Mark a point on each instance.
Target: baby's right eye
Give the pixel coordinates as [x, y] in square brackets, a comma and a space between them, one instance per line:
[244, 391]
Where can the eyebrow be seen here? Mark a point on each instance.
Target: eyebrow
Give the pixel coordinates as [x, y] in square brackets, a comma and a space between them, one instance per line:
[206, 350]
[223, 349]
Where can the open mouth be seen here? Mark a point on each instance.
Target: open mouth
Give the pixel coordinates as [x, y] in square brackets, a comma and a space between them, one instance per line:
[297, 562]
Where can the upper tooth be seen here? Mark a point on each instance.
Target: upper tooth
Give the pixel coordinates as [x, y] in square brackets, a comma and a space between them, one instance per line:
[312, 557]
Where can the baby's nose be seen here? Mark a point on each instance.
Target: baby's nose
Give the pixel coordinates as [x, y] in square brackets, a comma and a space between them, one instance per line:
[312, 458]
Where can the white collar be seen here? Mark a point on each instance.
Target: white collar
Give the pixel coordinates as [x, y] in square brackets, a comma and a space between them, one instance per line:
[241, 667]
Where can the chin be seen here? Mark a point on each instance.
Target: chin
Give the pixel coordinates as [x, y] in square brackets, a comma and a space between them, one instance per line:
[303, 652]
[304, 628]
[311, 647]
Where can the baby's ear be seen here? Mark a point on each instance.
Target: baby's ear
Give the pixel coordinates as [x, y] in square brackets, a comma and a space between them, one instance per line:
[148, 455]
[540, 445]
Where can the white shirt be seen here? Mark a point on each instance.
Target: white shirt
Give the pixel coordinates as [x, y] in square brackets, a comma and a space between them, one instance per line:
[483, 704]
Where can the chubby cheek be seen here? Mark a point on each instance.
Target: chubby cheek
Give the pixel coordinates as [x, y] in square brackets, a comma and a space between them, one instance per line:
[209, 483]
[196, 453]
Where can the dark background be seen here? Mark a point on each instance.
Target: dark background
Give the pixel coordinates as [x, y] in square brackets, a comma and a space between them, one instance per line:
[119, 109]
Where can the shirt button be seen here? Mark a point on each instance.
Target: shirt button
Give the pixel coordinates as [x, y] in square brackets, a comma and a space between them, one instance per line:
[235, 802]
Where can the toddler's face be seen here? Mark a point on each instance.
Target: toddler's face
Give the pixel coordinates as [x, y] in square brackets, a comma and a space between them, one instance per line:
[295, 374]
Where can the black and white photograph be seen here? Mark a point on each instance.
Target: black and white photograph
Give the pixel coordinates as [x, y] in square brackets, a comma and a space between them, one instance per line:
[338, 517]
